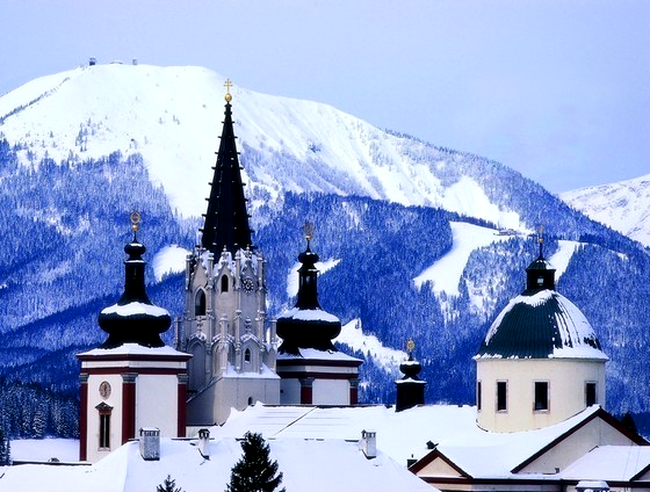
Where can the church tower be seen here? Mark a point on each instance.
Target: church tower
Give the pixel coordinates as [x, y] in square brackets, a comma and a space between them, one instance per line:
[132, 380]
[224, 322]
[312, 369]
[540, 362]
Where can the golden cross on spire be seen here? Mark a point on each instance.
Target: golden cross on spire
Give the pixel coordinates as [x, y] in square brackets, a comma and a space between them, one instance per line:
[540, 237]
[228, 84]
[308, 229]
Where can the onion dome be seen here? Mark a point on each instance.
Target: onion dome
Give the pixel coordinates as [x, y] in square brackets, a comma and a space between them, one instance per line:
[541, 323]
[134, 319]
[307, 325]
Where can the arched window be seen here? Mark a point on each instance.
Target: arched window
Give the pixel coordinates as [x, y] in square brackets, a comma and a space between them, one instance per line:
[250, 400]
[199, 303]
[224, 283]
[247, 355]
[105, 412]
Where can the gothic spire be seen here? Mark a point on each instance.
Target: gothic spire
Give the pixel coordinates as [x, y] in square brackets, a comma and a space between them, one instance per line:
[226, 220]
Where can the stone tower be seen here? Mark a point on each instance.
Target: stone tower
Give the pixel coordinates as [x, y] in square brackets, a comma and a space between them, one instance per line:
[224, 322]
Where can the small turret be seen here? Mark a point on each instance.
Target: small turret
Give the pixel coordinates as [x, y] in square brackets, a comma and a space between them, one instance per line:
[134, 319]
[307, 325]
[410, 389]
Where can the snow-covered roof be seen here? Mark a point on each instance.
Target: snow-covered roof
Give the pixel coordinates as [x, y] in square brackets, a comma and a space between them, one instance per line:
[541, 324]
[307, 464]
[134, 309]
[315, 354]
[309, 315]
[613, 463]
[134, 349]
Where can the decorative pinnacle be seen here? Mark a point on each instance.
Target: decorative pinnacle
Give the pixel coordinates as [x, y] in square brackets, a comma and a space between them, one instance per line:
[228, 84]
[135, 221]
[410, 346]
[308, 228]
[540, 238]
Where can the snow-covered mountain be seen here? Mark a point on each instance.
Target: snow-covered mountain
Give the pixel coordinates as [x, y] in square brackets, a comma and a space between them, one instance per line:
[172, 117]
[623, 206]
[82, 149]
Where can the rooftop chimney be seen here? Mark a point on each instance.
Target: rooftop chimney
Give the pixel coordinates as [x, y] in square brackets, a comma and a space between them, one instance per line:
[204, 443]
[369, 443]
[150, 443]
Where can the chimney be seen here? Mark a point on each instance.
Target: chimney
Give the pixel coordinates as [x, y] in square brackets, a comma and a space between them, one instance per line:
[150, 443]
[592, 486]
[369, 443]
[204, 443]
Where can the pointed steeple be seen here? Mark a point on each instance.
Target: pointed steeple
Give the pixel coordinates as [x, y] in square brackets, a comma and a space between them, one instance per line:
[226, 220]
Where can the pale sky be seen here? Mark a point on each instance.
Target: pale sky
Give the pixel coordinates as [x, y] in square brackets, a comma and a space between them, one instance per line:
[556, 89]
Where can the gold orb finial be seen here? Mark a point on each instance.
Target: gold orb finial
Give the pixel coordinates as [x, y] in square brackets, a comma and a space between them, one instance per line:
[228, 84]
[135, 220]
[410, 346]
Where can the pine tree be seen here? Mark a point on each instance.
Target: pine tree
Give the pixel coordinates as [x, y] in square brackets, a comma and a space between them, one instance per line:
[254, 472]
[169, 485]
[5, 449]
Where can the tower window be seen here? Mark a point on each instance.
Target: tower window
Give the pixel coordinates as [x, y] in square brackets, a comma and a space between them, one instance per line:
[541, 396]
[590, 394]
[250, 400]
[104, 425]
[540, 281]
[224, 283]
[247, 355]
[478, 396]
[199, 303]
[502, 396]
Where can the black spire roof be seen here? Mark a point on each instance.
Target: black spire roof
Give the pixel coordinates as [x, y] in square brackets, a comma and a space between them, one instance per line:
[307, 325]
[134, 319]
[410, 389]
[226, 220]
[541, 323]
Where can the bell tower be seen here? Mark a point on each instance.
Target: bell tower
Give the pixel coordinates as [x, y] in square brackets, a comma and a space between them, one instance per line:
[224, 322]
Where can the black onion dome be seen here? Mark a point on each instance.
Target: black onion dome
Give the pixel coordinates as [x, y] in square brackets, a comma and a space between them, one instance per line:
[307, 325]
[134, 319]
[410, 368]
[541, 323]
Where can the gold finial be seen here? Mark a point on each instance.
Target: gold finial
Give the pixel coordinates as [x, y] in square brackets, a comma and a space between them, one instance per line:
[410, 346]
[135, 220]
[540, 237]
[308, 228]
[228, 84]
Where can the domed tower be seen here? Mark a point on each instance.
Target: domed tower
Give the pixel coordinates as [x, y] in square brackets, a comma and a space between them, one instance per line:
[311, 368]
[224, 322]
[540, 362]
[132, 380]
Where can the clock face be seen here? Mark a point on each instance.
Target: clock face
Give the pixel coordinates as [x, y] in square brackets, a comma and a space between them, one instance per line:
[248, 284]
[105, 389]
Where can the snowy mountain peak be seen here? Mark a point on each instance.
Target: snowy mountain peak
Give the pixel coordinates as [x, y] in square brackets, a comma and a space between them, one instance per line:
[623, 206]
[172, 117]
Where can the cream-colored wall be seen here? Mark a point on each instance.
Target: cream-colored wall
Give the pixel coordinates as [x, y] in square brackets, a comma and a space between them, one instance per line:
[566, 378]
[438, 468]
[156, 403]
[93, 453]
[234, 392]
[289, 391]
[331, 392]
[595, 433]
